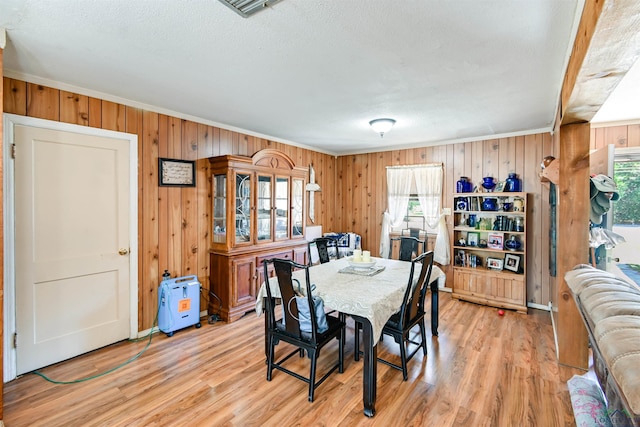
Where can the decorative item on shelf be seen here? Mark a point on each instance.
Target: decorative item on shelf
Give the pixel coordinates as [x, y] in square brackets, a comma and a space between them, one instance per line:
[506, 206]
[463, 221]
[495, 241]
[518, 205]
[494, 263]
[473, 238]
[464, 185]
[488, 183]
[518, 224]
[499, 187]
[471, 222]
[462, 204]
[513, 184]
[482, 243]
[512, 263]
[489, 204]
[484, 224]
[462, 242]
[513, 244]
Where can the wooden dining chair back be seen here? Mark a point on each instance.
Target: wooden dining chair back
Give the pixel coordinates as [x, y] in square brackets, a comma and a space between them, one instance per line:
[410, 247]
[411, 314]
[287, 329]
[322, 245]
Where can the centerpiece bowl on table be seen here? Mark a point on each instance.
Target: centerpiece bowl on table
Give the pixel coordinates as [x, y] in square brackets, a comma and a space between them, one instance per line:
[361, 264]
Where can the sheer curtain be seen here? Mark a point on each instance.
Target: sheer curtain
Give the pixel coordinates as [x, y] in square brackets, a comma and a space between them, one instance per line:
[428, 184]
[398, 191]
[429, 188]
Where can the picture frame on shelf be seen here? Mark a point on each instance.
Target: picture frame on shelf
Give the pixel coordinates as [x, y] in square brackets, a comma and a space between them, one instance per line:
[495, 263]
[495, 241]
[499, 187]
[473, 238]
[512, 263]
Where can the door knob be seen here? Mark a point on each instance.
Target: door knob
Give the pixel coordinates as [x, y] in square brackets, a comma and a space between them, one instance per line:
[123, 251]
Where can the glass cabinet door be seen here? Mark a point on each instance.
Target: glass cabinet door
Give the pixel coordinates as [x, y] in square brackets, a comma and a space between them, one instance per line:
[220, 208]
[282, 208]
[264, 207]
[297, 207]
[243, 207]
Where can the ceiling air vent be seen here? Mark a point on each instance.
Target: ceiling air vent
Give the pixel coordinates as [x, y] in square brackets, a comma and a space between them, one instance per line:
[246, 8]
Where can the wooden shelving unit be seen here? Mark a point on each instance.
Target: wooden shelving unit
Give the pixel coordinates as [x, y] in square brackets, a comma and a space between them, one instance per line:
[486, 270]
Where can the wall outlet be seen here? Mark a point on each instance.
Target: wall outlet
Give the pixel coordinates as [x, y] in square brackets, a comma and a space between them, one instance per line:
[446, 211]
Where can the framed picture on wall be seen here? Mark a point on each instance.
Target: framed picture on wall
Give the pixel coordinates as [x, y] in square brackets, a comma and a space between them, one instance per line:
[176, 173]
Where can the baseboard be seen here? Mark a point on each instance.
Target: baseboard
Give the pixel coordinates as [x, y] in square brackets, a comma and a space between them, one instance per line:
[539, 306]
[555, 333]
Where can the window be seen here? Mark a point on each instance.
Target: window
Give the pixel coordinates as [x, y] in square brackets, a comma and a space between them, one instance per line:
[414, 219]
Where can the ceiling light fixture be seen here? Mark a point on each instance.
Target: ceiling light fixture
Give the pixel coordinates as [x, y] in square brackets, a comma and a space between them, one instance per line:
[246, 8]
[382, 125]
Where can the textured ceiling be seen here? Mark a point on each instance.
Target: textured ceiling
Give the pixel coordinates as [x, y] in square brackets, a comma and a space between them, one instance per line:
[311, 73]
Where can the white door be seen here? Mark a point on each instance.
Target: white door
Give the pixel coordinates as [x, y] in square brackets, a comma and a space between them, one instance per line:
[72, 237]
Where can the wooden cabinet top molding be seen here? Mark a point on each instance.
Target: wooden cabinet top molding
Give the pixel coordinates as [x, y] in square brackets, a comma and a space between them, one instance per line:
[268, 158]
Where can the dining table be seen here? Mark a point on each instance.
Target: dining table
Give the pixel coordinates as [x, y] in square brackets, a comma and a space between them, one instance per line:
[370, 296]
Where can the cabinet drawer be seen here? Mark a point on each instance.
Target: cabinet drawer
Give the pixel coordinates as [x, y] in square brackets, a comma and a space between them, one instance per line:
[283, 255]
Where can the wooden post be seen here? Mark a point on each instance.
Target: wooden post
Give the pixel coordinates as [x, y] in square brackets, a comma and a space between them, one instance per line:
[573, 239]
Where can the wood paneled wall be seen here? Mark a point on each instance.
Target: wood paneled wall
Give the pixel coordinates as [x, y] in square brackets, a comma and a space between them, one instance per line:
[625, 136]
[363, 191]
[173, 223]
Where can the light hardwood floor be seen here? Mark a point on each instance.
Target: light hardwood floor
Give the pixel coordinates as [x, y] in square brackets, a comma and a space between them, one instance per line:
[483, 370]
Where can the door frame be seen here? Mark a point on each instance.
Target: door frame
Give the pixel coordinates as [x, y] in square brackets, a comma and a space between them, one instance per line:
[9, 320]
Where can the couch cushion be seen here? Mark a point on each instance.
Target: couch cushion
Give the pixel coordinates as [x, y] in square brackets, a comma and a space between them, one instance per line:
[581, 277]
[611, 303]
[618, 339]
[595, 289]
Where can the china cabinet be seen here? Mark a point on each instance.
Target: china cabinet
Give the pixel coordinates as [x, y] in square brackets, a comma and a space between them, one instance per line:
[489, 249]
[258, 213]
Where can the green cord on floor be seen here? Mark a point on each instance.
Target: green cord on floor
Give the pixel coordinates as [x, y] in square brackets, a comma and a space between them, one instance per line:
[110, 370]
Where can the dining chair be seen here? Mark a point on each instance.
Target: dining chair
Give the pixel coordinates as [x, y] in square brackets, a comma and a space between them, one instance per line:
[411, 314]
[287, 329]
[322, 245]
[410, 247]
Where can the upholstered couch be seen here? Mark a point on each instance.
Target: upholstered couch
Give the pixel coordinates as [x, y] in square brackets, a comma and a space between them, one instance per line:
[610, 308]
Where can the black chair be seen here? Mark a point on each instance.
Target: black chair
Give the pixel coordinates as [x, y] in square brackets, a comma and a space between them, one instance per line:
[288, 328]
[410, 247]
[411, 314]
[323, 244]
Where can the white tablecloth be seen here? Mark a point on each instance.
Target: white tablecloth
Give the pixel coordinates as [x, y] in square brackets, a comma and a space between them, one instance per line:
[373, 297]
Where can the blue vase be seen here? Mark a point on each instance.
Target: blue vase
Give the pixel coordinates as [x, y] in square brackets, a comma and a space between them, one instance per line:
[513, 183]
[463, 184]
[513, 243]
[488, 183]
[489, 205]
